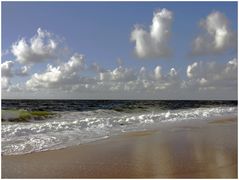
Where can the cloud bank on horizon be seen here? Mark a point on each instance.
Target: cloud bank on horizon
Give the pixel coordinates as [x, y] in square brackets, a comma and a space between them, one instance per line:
[73, 77]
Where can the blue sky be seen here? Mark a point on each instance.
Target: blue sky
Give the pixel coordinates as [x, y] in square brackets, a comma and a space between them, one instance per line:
[102, 32]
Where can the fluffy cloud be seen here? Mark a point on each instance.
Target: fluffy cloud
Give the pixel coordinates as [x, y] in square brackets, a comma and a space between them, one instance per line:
[154, 44]
[6, 68]
[74, 78]
[191, 69]
[212, 75]
[69, 77]
[8, 73]
[41, 47]
[118, 74]
[65, 74]
[140, 81]
[217, 37]
[170, 81]
[157, 72]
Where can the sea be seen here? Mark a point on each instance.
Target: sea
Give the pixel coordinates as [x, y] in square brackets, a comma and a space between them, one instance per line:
[82, 121]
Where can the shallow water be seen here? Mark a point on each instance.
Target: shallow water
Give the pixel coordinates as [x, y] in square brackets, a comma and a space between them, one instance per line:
[80, 122]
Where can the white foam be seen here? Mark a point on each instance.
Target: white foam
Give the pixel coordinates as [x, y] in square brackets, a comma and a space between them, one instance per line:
[72, 128]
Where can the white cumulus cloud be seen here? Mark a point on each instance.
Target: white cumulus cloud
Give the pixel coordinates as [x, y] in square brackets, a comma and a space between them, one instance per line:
[7, 68]
[154, 44]
[74, 78]
[39, 48]
[118, 74]
[60, 76]
[212, 75]
[191, 69]
[217, 37]
[158, 72]
[8, 72]
[124, 79]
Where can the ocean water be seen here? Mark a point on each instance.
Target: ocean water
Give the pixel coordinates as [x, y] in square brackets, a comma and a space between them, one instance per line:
[81, 121]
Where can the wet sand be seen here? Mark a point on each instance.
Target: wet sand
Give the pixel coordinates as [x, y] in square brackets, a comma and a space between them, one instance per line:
[178, 150]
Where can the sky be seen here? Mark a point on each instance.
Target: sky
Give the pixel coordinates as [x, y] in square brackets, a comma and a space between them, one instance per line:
[119, 50]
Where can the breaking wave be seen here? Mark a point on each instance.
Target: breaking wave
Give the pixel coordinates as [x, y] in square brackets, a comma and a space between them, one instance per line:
[70, 128]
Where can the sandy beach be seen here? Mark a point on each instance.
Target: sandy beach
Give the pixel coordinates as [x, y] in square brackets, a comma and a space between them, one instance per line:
[178, 150]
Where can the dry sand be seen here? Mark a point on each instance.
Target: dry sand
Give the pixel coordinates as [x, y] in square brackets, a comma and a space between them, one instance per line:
[180, 150]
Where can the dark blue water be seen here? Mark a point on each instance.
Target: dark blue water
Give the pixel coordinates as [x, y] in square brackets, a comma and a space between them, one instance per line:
[117, 105]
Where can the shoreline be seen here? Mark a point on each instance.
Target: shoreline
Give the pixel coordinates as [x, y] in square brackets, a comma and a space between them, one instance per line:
[180, 150]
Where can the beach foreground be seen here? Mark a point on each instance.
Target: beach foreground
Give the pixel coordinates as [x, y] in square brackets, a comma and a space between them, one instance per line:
[180, 150]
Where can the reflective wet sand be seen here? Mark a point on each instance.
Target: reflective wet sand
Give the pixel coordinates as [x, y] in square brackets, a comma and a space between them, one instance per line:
[183, 150]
